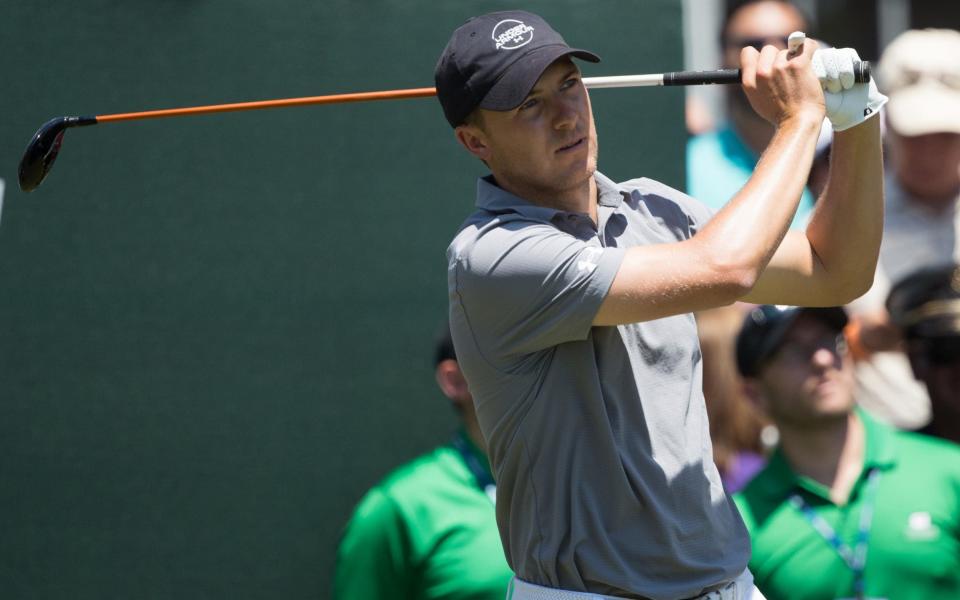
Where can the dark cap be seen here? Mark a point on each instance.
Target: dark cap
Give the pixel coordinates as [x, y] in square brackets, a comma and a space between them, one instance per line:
[494, 60]
[927, 303]
[764, 328]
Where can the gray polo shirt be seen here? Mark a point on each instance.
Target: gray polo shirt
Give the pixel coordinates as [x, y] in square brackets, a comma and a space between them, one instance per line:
[598, 436]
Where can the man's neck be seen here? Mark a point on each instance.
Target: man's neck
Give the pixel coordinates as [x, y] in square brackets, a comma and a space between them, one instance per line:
[580, 199]
[829, 454]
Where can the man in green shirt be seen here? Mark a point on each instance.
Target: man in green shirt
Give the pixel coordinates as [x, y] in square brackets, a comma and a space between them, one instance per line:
[428, 530]
[847, 507]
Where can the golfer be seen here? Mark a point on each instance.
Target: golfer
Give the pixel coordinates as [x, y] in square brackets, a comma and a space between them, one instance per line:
[570, 302]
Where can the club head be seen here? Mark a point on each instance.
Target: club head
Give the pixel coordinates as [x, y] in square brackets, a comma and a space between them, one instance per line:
[43, 148]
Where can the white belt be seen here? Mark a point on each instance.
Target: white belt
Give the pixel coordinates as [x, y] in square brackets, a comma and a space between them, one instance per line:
[738, 589]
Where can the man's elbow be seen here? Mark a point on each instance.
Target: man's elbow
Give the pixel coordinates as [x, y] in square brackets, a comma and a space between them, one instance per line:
[735, 279]
[851, 288]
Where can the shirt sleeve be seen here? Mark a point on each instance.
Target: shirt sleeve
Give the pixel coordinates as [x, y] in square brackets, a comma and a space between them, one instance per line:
[525, 286]
[374, 557]
[692, 214]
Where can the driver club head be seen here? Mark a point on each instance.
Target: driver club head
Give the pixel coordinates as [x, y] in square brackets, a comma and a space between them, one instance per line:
[43, 148]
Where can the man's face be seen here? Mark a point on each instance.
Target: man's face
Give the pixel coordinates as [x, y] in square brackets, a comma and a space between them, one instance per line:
[927, 166]
[759, 24]
[807, 381]
[546, 145]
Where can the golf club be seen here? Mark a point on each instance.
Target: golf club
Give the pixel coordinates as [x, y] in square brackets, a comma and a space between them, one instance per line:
[41, 152]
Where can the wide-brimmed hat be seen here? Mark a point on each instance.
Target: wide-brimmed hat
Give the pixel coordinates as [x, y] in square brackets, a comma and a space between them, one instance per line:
[920, 72]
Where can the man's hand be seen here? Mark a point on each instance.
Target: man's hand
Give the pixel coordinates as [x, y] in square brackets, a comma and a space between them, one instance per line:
[781, 85]
[848, 103]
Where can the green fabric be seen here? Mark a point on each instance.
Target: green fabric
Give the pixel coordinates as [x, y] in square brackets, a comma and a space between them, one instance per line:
[425, 532]
[914, 549]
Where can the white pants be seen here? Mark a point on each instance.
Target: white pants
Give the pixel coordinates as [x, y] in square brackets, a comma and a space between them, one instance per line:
[741, 588]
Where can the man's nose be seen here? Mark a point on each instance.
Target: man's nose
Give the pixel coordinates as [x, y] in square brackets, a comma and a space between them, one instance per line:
[825, 358]
[566, 115]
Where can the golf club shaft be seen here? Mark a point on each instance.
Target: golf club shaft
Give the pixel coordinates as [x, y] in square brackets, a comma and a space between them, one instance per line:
[725, 76]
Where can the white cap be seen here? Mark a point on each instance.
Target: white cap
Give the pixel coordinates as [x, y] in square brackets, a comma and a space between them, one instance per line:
[920, 72]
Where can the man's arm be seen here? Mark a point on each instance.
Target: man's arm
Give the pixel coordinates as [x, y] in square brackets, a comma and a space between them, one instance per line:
[725, 260]
[833, 262]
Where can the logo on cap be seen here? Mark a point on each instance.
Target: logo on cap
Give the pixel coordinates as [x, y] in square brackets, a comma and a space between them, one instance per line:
[511, 34]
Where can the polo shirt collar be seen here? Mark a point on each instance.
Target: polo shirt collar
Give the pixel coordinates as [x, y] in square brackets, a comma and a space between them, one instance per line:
[880, 450]
[479, 454]
[608, 193]
[779, 481]
[493, 198]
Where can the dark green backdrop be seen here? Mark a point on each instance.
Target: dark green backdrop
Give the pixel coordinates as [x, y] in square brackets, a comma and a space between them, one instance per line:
[216, 331]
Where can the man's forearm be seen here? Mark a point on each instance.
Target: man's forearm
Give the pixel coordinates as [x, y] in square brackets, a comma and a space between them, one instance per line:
[749, 228]
[847, 224]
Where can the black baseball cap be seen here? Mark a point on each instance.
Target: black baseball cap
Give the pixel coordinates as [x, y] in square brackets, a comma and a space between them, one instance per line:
[765, 326]
[926, 304]
[494, 60]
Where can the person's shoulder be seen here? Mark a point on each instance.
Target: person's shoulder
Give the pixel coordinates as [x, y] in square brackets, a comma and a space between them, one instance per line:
[661, 199]
[645, 185]
[487, 237]
[928, 447]
[411, 490]
[420, 475]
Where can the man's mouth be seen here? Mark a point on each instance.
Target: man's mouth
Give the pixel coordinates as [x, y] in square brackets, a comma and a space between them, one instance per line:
[572, 145]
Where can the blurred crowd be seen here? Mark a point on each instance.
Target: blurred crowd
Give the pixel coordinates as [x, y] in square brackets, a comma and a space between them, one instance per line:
[836, 429]
[920, 72]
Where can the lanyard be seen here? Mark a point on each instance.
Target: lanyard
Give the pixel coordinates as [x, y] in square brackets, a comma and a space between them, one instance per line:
[480, 475]
[855, 558]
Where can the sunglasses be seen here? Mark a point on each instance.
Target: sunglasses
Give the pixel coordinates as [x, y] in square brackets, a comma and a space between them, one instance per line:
[797, 352]
[758, 43]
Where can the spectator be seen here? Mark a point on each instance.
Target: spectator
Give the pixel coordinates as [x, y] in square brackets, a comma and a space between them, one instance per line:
[925, 306]
[719, 163]
[847, 507]
[428, 530]
[735, 424]
[920, 71]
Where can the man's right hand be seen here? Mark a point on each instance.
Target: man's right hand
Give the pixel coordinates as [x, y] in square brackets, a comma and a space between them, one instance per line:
[781, 87]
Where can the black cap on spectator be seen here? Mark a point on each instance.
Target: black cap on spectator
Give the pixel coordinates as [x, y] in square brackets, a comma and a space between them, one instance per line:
[763, 330]
[926, 304]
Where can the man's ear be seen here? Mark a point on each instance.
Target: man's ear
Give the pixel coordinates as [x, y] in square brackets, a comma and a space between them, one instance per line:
[474, 140]
[452, 382]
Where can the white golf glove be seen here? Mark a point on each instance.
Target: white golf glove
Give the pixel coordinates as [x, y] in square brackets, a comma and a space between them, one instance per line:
[848, 103]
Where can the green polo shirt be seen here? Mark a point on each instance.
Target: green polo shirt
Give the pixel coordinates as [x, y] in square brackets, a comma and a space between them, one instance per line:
[914, 544]
[426, 532]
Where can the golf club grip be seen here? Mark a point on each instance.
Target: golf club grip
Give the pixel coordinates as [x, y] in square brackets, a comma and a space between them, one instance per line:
[861, 74]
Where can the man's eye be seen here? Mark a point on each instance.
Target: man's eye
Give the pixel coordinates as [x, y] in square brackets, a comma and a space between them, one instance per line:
[528, 104]
[569, 83]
